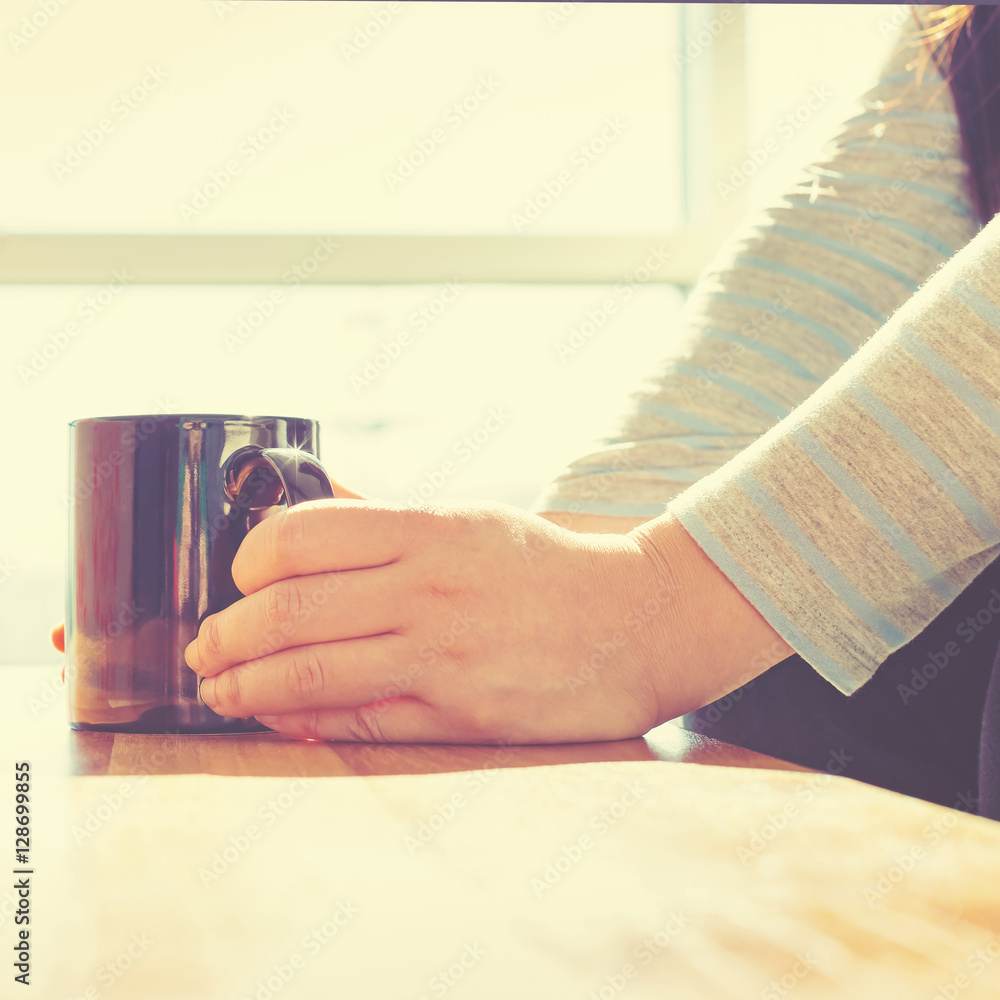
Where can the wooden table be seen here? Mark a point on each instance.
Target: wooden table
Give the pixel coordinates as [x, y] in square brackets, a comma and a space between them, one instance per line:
[259, 867]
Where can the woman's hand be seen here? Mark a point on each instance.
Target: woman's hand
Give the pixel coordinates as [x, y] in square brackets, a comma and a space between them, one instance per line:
[58, 635]
[472, 623]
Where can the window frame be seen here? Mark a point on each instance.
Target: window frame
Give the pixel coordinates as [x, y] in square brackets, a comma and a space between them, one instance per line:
[712, 90]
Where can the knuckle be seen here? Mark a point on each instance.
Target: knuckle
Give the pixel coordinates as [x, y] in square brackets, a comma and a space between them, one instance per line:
[367, 725]
[305, 676]
[440, 588]
[282, 604]
[478, 719]
[446, 583]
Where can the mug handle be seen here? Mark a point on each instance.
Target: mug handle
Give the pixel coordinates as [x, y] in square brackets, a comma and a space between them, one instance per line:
[262, 477]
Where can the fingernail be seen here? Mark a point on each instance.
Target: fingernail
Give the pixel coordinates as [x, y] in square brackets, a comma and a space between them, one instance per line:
[207, 690]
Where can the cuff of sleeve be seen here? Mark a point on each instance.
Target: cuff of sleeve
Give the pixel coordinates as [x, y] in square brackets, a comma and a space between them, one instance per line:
[847, 672]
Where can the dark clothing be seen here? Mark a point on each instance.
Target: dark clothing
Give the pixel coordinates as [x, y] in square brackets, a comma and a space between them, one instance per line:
[927, 724]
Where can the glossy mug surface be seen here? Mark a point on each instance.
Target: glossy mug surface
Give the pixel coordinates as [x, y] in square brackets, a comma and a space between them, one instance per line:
[158, 506]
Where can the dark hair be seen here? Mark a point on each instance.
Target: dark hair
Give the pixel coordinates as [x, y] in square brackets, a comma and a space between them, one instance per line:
[964, 42]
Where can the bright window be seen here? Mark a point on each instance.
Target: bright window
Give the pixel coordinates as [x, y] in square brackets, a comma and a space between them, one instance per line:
[341, 117]
[613, 120]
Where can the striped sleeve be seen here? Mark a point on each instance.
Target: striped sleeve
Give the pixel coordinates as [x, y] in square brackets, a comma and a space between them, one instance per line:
[855, 521]
[790, 297]
[828, 425]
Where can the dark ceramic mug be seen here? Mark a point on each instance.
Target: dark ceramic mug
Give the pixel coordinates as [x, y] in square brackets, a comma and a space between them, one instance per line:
[158, 507]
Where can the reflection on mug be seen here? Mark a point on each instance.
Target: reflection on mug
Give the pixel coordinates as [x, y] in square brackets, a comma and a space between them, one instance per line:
[158, 508]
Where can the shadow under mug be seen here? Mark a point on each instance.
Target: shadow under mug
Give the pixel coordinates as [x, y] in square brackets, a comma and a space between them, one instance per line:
[158, 506]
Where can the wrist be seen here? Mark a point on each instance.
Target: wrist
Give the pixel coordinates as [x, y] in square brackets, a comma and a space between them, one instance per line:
[709, 639]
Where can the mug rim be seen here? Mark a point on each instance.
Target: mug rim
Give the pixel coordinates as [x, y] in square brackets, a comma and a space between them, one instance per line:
[219, 417]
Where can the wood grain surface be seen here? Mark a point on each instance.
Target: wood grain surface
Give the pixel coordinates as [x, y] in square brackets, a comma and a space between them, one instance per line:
[258, 870]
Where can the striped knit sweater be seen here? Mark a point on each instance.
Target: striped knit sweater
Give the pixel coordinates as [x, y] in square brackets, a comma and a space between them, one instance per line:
[827, 427]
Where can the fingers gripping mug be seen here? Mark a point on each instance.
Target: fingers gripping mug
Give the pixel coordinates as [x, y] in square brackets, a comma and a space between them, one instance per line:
[158, 507]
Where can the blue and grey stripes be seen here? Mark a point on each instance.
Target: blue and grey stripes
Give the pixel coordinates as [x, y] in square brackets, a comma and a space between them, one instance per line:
[828, 429]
